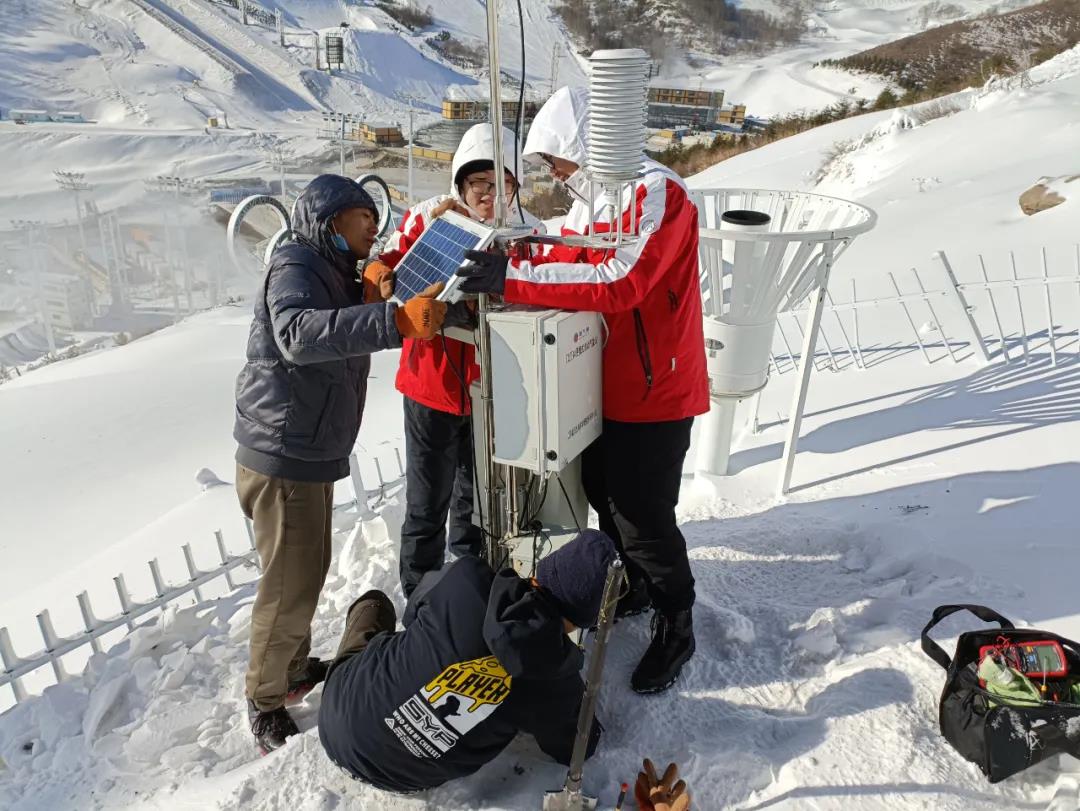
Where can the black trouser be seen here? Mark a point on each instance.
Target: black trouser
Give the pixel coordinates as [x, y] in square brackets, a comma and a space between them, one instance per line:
[632, 475]
[438, 481]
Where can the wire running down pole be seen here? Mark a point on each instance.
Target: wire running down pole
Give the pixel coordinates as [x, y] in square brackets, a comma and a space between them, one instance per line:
[492, 517]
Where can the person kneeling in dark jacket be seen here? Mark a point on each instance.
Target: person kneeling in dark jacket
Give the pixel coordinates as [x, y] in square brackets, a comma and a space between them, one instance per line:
[483, 656]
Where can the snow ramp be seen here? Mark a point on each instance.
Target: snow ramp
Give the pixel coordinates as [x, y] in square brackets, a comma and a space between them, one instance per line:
[261, 85]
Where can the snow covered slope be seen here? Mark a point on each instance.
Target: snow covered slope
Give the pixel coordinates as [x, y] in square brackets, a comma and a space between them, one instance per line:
[789, 79]
[147, 74]
[950, 183]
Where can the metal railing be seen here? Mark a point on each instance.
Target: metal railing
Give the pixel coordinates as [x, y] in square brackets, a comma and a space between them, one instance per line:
[56, 647]
[991, 317]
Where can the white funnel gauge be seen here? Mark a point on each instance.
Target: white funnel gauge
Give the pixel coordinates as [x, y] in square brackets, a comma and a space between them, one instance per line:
[761, 252]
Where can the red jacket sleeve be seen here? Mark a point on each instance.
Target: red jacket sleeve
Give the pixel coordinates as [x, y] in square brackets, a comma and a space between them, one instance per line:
[410, 229]
[610, 281]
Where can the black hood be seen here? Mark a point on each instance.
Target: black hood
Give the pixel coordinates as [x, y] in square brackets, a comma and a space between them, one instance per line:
[324, 197]
[524, 629]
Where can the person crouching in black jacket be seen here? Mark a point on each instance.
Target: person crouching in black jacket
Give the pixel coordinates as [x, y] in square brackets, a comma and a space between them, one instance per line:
[483, 656]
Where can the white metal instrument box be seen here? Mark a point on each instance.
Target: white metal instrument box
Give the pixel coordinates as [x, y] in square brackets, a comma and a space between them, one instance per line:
[546, 386]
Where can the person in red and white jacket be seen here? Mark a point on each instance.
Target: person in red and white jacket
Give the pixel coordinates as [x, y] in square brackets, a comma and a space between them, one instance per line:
[654, 379]
[434, 376]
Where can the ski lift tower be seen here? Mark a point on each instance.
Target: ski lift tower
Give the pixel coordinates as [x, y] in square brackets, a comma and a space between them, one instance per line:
[333, 130]
[763, 252]
[75, 182]
[178, 187]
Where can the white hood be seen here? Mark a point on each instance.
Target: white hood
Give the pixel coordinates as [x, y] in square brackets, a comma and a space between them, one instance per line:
[561, 127]
[476, 145]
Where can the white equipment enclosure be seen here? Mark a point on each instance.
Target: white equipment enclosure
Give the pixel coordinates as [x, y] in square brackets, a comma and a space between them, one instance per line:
[546, 376]
[762, 252]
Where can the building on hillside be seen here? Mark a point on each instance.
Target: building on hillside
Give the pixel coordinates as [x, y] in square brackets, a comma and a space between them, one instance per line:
[673, 104]
[29, 116]
[66, 298]
[471, 103]
[379, 134]
[735, 115]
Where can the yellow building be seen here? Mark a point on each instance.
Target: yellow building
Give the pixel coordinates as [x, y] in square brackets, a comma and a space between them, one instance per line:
[734, 115]
[379, 134]
[468, 103]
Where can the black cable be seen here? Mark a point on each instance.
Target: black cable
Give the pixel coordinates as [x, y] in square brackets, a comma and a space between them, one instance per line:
[543, 500]
[520, 116]
[478, 502]
[569, 503]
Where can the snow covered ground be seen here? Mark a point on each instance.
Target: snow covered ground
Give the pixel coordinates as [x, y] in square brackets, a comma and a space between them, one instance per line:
[915, 485]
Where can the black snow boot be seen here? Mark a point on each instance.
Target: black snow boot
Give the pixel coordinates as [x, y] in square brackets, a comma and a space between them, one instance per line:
[302, 683]
[271, 727]
[635, 601]
[672, 645]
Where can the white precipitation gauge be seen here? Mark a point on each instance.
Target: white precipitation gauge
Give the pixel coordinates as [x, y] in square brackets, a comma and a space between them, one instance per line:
[762, 252]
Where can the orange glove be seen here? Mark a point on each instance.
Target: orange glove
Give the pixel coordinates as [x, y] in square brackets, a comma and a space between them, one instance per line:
[422, 316]
[378, 281]
[660, 794]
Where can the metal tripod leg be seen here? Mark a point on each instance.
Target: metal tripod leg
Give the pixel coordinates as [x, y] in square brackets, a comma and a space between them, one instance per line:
[571, 798]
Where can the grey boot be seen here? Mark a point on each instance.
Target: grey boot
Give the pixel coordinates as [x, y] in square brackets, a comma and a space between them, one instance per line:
[370, 615]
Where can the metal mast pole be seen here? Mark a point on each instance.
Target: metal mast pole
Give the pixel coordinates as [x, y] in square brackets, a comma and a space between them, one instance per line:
[411, 198]
[39, 292]
[341, 145]
[185, 257]
[493, 515]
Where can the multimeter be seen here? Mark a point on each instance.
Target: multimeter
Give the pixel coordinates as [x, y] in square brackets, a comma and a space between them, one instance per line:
[1038, 659]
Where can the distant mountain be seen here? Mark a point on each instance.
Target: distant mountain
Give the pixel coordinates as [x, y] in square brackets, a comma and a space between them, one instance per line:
[950, 56]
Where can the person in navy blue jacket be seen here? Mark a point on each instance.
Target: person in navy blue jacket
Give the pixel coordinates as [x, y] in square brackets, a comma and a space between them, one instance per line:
[483, 656]
[299, 400]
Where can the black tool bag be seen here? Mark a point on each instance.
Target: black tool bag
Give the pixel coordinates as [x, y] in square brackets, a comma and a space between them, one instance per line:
[1001, 738]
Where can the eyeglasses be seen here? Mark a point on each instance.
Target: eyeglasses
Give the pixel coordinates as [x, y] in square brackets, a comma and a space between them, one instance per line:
[485, 187]
[547, 160]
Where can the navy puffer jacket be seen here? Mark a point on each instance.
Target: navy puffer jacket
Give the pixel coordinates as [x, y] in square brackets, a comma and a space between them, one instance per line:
[300, 396]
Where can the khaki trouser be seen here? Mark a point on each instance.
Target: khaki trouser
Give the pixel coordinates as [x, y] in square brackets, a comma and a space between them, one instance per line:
[292, 536]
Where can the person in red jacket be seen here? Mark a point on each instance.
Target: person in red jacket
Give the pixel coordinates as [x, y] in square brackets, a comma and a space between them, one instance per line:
[654, 380]
[434, 376]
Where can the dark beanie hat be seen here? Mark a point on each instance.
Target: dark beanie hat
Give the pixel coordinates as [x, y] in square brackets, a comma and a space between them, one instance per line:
[574, 575]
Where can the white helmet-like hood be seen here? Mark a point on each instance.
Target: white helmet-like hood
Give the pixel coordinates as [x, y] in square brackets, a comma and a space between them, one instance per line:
[561, 127]
[476, 145]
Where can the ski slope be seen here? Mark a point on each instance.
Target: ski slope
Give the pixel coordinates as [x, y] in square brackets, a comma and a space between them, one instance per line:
[148, 74]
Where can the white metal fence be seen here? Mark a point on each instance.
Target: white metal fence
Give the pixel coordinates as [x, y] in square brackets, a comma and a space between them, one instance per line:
[960, 313]
[366, 501]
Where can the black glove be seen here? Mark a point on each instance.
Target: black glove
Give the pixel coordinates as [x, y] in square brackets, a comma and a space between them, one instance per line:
[460, 314]
[484, 273]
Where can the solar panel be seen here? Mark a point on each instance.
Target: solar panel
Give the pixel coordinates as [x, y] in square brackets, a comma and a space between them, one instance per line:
[437, 255]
